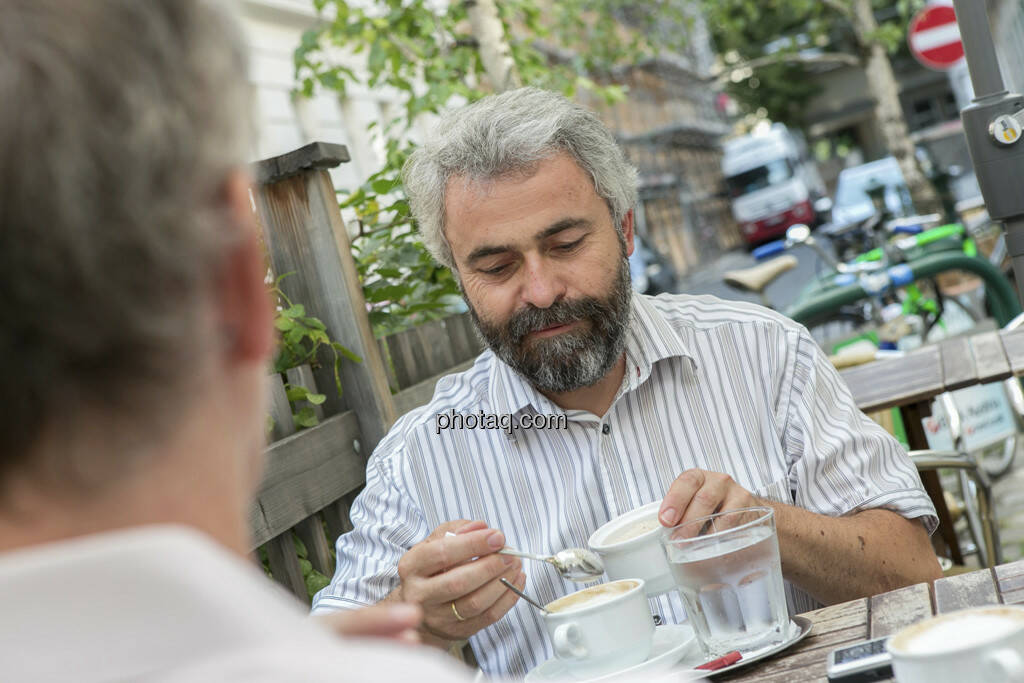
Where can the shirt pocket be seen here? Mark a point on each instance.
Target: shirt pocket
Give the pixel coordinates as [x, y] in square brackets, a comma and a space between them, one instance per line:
[777, 491]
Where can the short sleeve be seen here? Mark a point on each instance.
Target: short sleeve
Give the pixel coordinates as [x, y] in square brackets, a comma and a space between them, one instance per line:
[385, 525]
[841, 461]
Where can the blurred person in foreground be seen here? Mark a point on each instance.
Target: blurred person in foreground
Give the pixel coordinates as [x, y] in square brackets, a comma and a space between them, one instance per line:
[134, 347]
[697, 403]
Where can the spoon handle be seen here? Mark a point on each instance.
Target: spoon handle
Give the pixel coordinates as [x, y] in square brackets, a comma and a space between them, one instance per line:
[524, 596]
[519, 553]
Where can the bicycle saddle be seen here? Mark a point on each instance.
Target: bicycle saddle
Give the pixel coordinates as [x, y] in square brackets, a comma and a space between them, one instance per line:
[756, 278]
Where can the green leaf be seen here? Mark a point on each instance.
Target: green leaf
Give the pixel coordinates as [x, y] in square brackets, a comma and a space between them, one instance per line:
[306, 418]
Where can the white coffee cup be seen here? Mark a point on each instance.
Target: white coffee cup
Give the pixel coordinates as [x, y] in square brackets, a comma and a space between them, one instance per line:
[601, 629]
[978, 644]
[630, 547]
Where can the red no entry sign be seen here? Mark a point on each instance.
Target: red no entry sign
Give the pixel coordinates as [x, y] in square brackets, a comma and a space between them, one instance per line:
[934, 37]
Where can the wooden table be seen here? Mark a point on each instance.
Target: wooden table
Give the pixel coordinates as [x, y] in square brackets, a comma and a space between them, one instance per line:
[911, 382]
[881, 615]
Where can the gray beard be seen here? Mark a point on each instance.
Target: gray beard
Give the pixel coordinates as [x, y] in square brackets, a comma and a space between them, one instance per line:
[571, 360]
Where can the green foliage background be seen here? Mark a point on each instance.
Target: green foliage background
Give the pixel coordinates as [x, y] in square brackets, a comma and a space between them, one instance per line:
[427, 56]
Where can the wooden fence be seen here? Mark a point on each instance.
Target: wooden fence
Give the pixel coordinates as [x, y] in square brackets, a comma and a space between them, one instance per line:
[314, 474]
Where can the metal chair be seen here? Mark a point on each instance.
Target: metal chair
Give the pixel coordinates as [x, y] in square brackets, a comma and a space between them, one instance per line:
[975, 487]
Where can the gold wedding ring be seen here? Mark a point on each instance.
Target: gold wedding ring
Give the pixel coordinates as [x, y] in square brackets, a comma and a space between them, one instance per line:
[456, 612]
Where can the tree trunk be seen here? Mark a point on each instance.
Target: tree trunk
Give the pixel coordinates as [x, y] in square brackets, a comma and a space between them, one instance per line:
[893, 127]
[494, 50]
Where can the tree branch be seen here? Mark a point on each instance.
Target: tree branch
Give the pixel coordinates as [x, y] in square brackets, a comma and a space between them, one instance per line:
[784, 58]
[839, 6]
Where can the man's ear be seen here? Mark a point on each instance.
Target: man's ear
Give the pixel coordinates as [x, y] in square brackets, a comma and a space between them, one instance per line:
[245, 310]
[627, 232]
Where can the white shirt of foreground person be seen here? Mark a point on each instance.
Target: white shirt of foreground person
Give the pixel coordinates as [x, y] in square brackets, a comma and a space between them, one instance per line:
[167, 604]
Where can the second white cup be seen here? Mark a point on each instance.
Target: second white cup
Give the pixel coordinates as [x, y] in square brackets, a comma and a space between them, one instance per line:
[978, 644]
[601, 629]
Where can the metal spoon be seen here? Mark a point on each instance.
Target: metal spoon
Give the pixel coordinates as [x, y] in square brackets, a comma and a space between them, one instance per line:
[524, 596]
[576, 564]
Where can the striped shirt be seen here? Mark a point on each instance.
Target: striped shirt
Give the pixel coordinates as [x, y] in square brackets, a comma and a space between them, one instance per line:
[723, 386]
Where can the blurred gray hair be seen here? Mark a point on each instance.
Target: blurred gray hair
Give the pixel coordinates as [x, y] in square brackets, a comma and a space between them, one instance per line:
[120, 124]
[510, 133]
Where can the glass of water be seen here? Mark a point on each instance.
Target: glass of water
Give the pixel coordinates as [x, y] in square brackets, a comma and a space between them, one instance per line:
[727, 569]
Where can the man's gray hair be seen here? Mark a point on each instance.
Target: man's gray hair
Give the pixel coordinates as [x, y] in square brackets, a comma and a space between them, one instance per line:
[509, 133]
[121, 121]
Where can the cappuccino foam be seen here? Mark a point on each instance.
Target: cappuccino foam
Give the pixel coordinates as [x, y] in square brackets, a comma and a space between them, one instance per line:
[630, 531]
[588, 597]
[961, 632]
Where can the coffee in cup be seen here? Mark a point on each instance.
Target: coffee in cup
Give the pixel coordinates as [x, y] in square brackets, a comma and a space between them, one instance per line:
[587, 597]
[978, 644]
[601, 629]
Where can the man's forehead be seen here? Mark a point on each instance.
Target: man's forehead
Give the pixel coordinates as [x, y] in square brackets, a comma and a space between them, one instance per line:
[480, 186]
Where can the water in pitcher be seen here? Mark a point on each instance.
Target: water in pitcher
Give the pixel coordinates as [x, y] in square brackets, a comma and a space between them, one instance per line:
[733, 591]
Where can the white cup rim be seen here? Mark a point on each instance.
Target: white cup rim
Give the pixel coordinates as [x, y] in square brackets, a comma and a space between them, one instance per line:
[953, 648]
[588, 608]
[633, 515]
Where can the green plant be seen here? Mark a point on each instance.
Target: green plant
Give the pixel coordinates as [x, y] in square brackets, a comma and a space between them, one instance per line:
[301, 339]
[429, 55]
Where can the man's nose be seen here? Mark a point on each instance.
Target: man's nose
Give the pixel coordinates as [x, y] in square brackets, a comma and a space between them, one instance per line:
[542, 287]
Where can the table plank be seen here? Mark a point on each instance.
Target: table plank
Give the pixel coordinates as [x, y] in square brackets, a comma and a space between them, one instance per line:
[989, 357]
[889, 612]
[897, 381]
[966, 590]
[1013, 346]
[958, 369]
[1010, 582]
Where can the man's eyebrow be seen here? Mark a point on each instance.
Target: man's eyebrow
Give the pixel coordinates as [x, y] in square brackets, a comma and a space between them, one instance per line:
[554, 229]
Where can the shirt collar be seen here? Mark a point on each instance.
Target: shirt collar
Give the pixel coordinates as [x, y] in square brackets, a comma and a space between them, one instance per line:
[650, 338]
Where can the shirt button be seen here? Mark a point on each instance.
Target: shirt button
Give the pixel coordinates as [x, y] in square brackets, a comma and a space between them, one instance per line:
[605, 429]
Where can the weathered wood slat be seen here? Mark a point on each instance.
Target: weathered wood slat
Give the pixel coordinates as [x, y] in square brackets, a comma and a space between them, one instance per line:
[989, 357]
[898, 381]
[475, 344]
[1009, 570]
[965, 590]
[433, 338]
[284, 565]
[1013, 347]
[389, 364]
[311, 532]
[1010, 580]
[462, 338]
[305, 236]
[408, 358]
[889, 612]
[306, 472]
[958, 369]
[420, 394]
[280, 409]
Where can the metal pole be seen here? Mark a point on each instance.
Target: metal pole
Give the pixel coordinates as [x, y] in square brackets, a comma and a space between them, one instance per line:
[978, 48]
[998, 162]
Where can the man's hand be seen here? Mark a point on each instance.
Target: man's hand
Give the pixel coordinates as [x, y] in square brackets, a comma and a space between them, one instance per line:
[395, 621]
[699, 493]
[459, 595]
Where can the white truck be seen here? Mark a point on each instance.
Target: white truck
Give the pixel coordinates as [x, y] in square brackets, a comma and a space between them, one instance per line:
[772, 183]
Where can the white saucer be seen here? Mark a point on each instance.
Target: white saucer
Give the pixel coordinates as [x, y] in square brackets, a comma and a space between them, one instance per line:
[798, 628]
[671, 643]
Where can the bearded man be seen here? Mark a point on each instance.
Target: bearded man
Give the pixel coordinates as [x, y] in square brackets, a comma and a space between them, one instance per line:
[702, 404]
